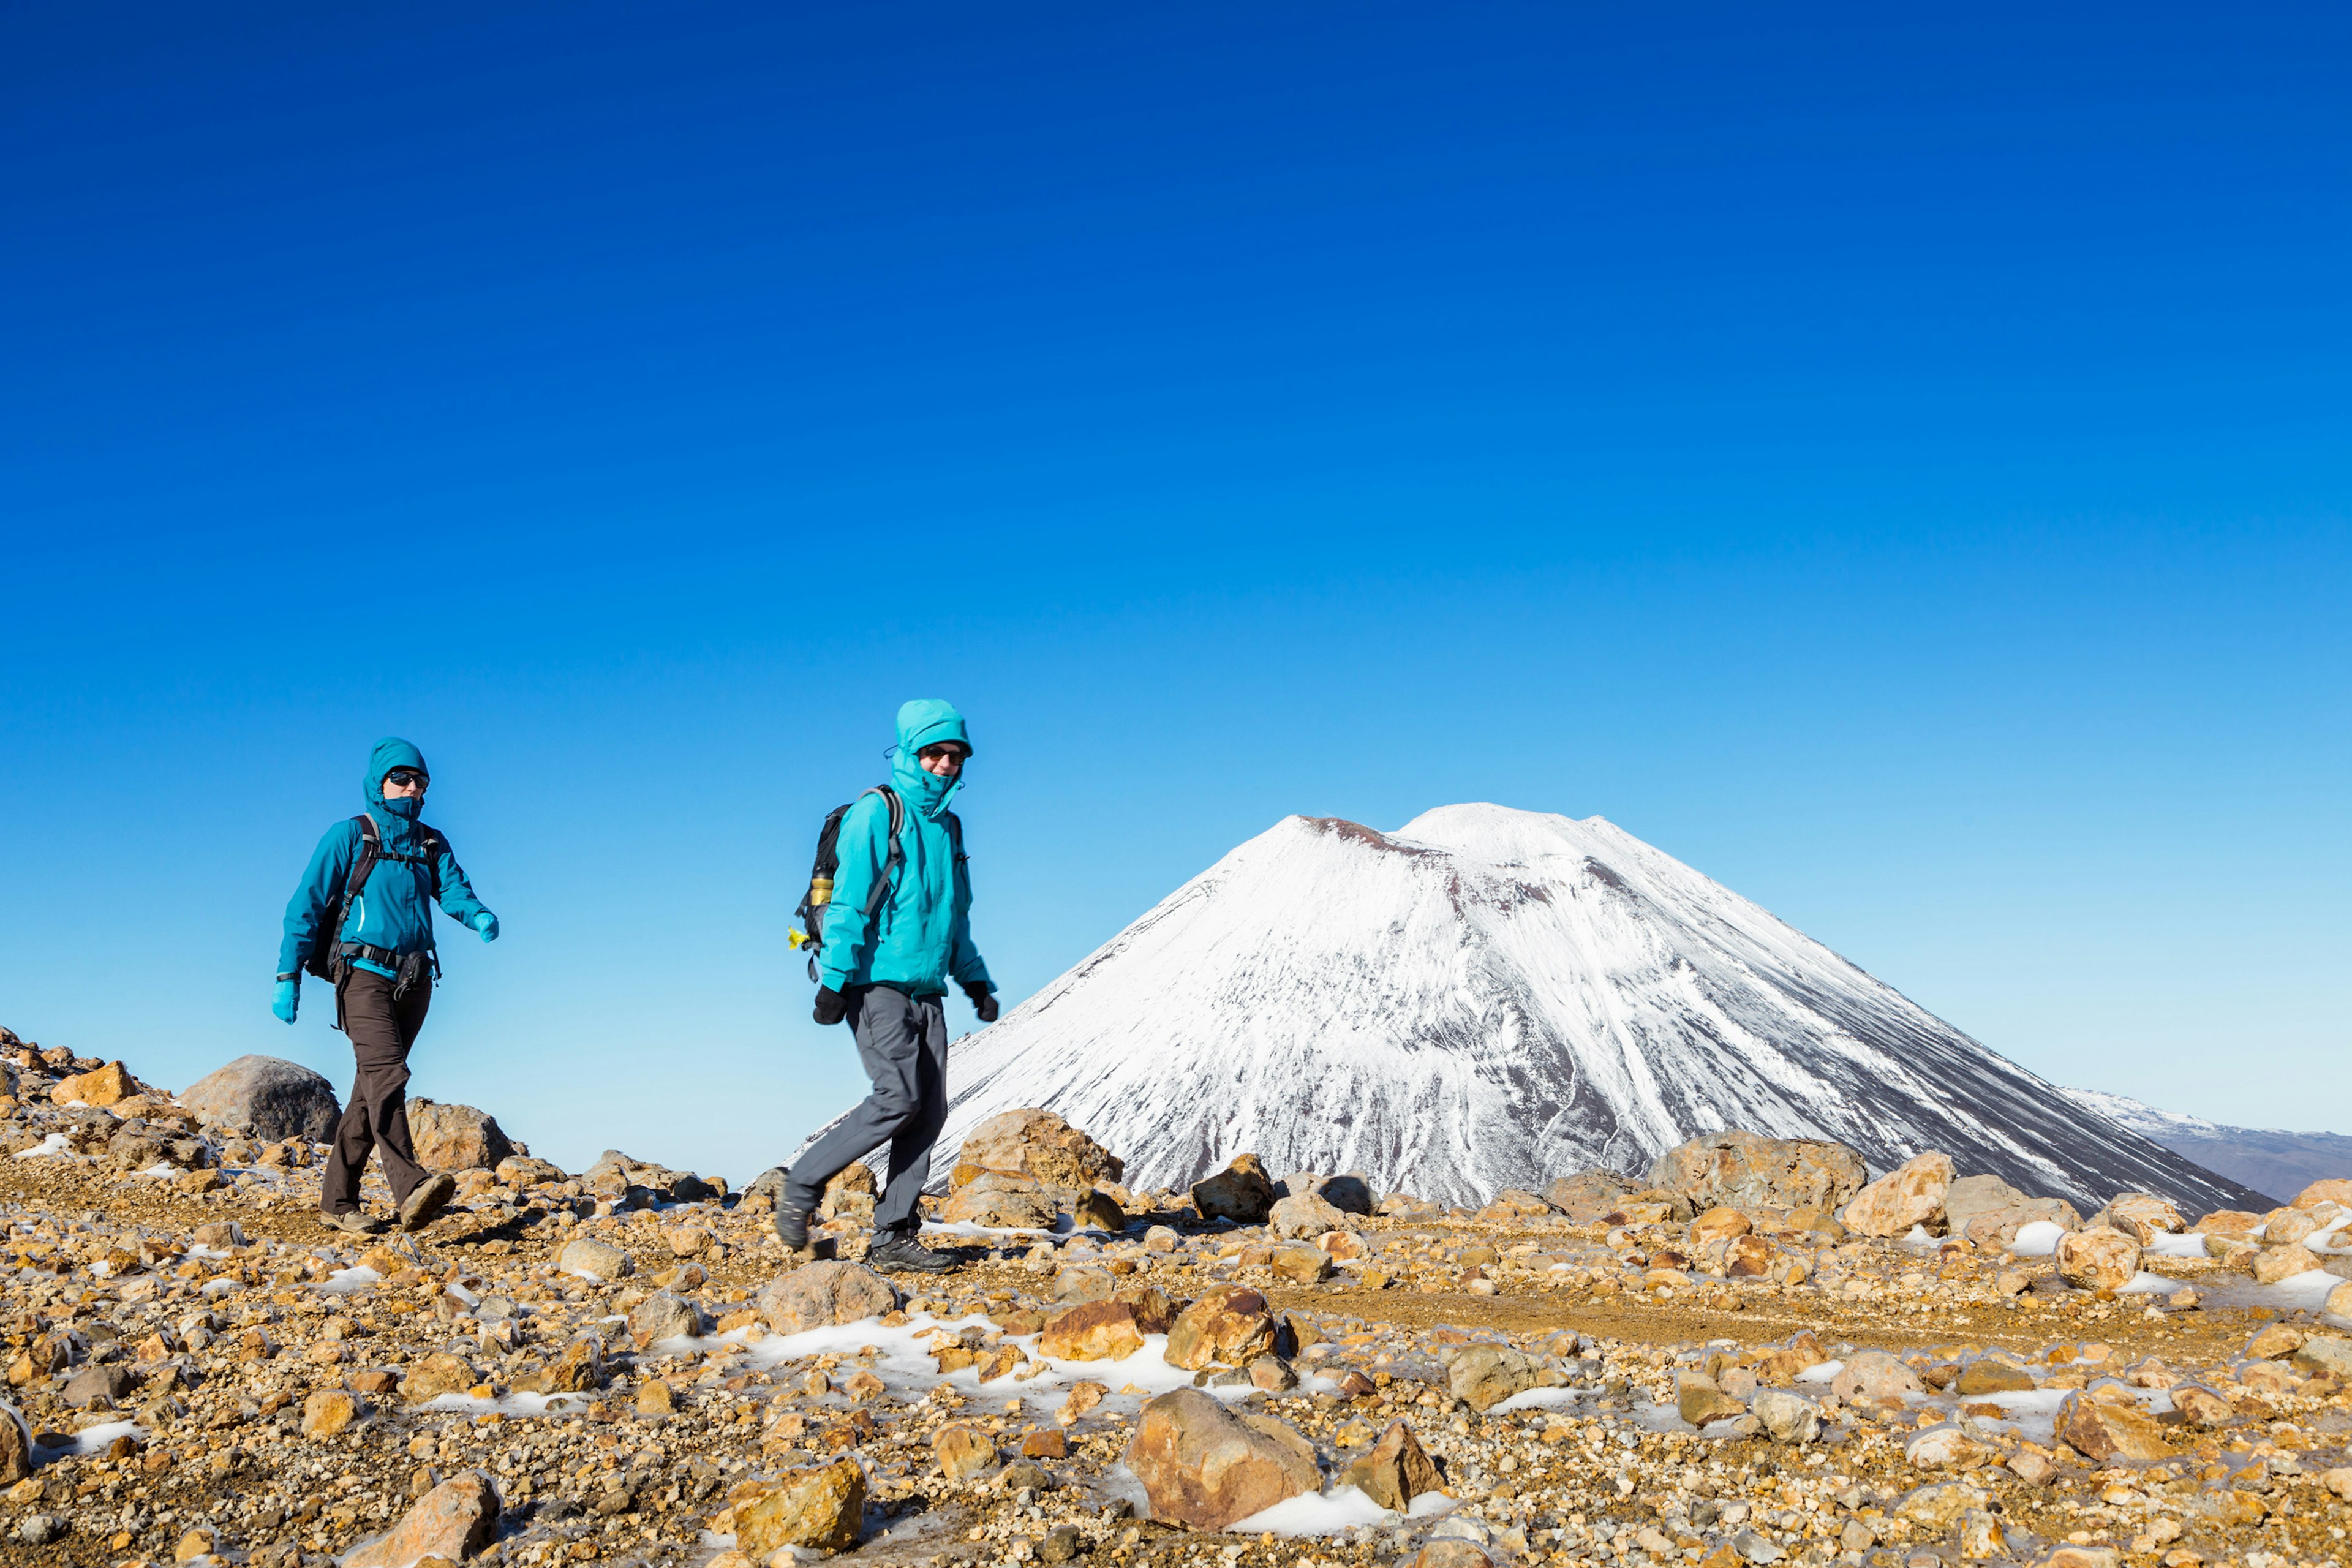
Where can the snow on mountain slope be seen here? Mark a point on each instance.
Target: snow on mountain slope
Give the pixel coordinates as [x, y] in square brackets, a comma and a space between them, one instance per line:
[1492, 997]
[2267, 1159]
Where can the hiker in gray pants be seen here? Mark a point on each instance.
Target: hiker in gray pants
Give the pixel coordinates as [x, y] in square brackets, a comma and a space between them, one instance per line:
[894, 933]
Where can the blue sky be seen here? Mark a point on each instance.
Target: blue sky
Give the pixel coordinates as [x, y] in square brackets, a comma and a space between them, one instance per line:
[1897, 464]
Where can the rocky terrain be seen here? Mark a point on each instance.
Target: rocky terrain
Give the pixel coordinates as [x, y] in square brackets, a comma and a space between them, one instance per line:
[1485, 998]
[1752, 1355]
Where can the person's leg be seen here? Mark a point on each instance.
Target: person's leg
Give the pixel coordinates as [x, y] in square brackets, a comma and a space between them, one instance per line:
[364, 1007]
[890, 1045]
[910, 1150]
[392, 1144]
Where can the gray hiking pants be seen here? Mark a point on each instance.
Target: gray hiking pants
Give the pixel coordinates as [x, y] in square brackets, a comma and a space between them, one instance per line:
[903, 1040]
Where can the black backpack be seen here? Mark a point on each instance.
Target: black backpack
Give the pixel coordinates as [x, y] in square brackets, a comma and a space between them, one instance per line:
[828, 861]
[326, 960]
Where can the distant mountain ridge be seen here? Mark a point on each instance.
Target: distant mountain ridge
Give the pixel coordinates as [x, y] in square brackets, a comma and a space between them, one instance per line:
[1491, 997]
[2268, 1160]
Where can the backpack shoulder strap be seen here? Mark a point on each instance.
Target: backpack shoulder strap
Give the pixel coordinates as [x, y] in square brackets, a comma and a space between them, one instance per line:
[897, 855]
[430, 840]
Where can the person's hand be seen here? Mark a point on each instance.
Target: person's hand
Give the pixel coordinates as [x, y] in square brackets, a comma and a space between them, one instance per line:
[832, 1006]
[289, 998]
[983, 1001]
[487, 924]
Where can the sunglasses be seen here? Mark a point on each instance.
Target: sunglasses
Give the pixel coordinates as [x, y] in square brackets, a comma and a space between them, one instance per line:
[401, 778]
[929, 752]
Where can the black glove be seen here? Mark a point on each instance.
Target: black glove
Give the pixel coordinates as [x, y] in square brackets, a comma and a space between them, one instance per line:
[832, 1006]
[983, 1001]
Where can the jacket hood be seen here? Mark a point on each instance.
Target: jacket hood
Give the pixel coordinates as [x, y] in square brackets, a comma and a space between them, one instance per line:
[393, 819]
[927, 722]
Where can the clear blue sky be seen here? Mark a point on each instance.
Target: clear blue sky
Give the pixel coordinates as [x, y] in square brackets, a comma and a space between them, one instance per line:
[1896, 462]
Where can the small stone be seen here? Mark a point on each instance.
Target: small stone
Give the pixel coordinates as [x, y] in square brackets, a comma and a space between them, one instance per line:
[1699, 1400]
[431, 1376]
[1002, 1200]
[2143, 1217]
[1980, 1378]
[454, 1520]
[1718, 1224]
[962, 1452]
[456, 1137]
[655, 1397]
[1302, 1215]
[2202, 1407]
[1045, 1446]
[329, 1412]
[662, 1316]
[1484, 1375]
[1944, 1448]
[1092, 1330]
[2327, 1354]
[1787, 1418]
[1875, 1374]
[1452, 1552]
[1302, 1265]
[93, 1385]
[103, 1087]
[822, 1507]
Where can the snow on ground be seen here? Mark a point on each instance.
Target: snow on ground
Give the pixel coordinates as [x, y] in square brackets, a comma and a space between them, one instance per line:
[55, 1143]
[2039, 1240]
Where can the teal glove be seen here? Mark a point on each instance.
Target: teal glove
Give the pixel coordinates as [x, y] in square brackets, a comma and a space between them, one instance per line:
[487, 924]
[289, 997]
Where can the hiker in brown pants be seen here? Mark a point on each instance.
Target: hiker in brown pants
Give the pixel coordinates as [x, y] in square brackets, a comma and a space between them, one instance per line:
[362, 921]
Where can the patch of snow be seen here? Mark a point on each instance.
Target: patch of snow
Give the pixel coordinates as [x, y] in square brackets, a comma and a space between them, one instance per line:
[2143, 1283]
[89, 1441]
[2186, 1243]
[161, 1168]
[1823, 1371]
[55, 1143]
[2039, 1240]
[1311, 1513]
[1543, 1398]
[344, 1281]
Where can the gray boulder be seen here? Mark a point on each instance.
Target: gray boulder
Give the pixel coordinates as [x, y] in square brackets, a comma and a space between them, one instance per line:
[266, 1098]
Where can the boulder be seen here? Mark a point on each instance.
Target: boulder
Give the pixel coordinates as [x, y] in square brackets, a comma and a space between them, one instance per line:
[456, 1137]
[1986, 1376]
[962, 1452]
[1098, 1210]
[1204, 1467]
[2143, 1216]
[1242, 1192]
[2097, 1258]
[1911, 1194]
[2328, 1355]
[822, 1506]
[266, 1098]
[1037, 1143]
[578, 1368]
[2102, 1429]
[2333, 1190]
[1699, 1400]
[329, 1412]
[16, 1448]
[2237, 1222]
[2274, 1264]
[1944, 1448]
[818, 1295]
[1737, 1169]
[1303, 1215]
[1718, 1224]
[1396, 1471]
[1969, 1196]
[431, 1376]
[1230, 1325]
[1349, 1194]
[454, 1520]
[1002, 1200]
[1589, 1195]
[1990, 1230]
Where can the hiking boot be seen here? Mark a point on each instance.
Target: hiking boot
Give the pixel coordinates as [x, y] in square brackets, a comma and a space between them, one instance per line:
[904, 1255]
[423, 1206]
[356, 1221]
[792, 1227]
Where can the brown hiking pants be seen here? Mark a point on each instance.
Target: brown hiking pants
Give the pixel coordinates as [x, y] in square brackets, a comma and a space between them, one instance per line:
[382, 1027]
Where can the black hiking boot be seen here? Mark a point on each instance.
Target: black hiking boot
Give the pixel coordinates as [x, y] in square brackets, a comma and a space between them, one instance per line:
[355, 1221]
[902, 1254]
[792, 1227]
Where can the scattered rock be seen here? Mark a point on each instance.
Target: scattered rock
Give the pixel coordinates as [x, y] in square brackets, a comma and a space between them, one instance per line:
[2278, 1263]
[103, 1087]
[2102, 1430]
[662, 1316]
[1231, 1325]
[1875, 1374]
[1396, 1471]
[1787, 1418]
[1002, 1200]
[1699, 1400]
[454, 1520]
[1242, 1192]
[96, 1385]
[1303, 1215]
[593, 1259]
[1205, 1467]
[962, 1452]
[823, 1507]
[1037, 1143]
[1944, 1448]
[817, 1295]
[1092, 1330]
[431, 1376]
[328, 1412]
[2143, 1216]
[1912, 1193]
[456, 1137]
[1589, 1195]
[2097, 1258]
[2334, 1189]
[2327, 1354]
[1483, 1375]
[266, 1098]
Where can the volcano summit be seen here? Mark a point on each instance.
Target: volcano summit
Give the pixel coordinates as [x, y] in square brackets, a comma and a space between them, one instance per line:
[1491, 998]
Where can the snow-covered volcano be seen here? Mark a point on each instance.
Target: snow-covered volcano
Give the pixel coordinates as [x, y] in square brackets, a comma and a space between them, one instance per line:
[1491, 998]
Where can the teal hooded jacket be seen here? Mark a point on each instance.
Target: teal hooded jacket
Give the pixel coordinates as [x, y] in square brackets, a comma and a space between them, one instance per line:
[394, 910]
[920, 938]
